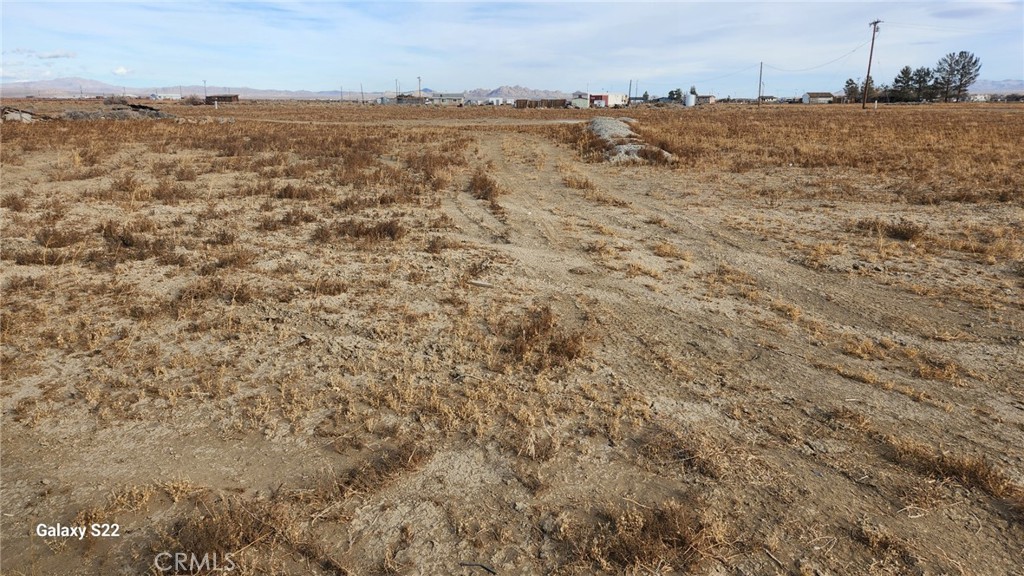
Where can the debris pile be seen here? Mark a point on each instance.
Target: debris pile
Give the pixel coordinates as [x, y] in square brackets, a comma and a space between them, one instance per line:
[8, 114]
[119, 112]
[624, 144]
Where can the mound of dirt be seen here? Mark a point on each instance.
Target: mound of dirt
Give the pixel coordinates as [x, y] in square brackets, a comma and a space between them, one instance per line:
[625, 146]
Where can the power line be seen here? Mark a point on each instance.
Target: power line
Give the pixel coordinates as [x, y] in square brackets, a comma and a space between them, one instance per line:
[820, 65]
[703, 80]
[943, 28]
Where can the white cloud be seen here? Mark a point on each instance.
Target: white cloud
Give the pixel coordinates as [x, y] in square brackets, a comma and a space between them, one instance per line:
[55, 54]
[121, 71]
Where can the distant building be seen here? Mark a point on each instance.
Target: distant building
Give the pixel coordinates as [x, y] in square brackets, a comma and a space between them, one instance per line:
[609, 100]
[410, 99]
[818, 98]
[443, 99]
[522, 103]
[706, 99]
[581, 102]
[165, 97]
[221, 99]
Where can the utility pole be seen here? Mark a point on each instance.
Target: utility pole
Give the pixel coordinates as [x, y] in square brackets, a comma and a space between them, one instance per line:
[760, 74]
[396, 89]
[871, 54]
[362, 96]
[341, 93]
[419, 88]
[629, 96]
[204, 89]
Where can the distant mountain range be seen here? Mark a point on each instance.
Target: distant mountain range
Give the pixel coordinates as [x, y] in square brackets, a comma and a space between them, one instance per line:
[83, 87]
[998, 87]
[514, 92]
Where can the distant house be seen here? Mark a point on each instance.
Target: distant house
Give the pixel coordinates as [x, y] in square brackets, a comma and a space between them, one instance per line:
[609, 100]
[444, 99]
[410, 99]
[706, 99]
[165, 97]
[818, 98]
[221, 99]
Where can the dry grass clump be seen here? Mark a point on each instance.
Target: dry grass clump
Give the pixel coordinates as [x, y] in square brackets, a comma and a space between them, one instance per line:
[578, 182]
[669, 448]
[355, 202]
[667, 537]
[171, 192]
[379, 470]
[58, 237]
[903, 229]
[484, 187]
[226, 527]
[438, 244]
[535, 339]
[217, 288]
[390, 229]
[972, 471]
[14, 202]
[291, 191]
[887, 547]
[669, 250]
[132, 241]
[583, 140]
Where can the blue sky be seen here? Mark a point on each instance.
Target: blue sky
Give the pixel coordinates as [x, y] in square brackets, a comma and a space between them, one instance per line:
[321, 45]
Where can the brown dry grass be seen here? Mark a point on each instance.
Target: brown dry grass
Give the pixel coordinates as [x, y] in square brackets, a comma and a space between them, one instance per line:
[633, 369]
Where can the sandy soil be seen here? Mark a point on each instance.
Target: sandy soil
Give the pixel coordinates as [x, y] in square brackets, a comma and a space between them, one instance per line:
[593, 367]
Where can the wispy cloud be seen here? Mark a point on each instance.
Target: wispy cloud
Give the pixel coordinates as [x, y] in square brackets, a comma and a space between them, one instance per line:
[55, 55]
[121, 71]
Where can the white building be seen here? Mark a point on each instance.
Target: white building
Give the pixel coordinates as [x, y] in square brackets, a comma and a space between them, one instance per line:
[445, 99]
[818, 98]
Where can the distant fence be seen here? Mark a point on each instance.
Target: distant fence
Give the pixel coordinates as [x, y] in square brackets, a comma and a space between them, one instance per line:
[221, 99]
[548, 103]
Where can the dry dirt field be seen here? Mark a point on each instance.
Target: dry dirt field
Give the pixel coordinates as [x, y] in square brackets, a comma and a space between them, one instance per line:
[289, 338]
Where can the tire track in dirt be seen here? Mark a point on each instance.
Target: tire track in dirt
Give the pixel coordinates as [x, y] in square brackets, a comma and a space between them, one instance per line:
[679, 347]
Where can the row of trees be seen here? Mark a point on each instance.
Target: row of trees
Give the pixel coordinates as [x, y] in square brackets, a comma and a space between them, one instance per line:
[677, 94]
[949, 80]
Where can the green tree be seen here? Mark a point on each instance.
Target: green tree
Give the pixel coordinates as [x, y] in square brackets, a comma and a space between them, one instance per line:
[646, 96]
[693, 90]
[954, 74]
[922, 83]
[676, 94]
[851, 90]
[869, 88]
[903, 85]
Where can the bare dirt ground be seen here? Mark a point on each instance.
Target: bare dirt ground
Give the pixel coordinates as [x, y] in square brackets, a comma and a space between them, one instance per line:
[316, 339]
